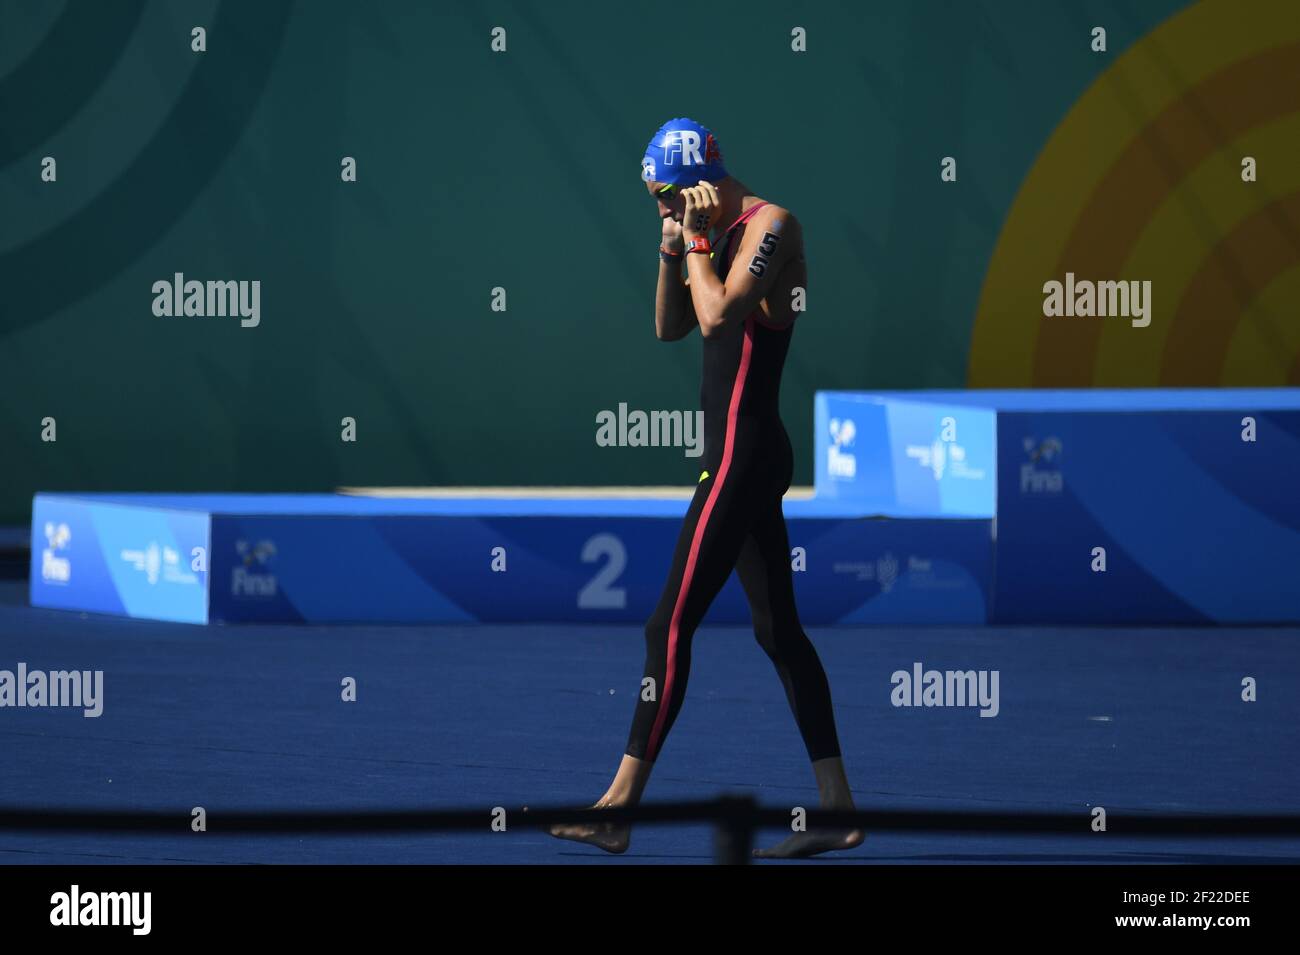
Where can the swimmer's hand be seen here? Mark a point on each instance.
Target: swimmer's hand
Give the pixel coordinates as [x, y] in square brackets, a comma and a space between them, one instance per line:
[673, 240]
[702, 204]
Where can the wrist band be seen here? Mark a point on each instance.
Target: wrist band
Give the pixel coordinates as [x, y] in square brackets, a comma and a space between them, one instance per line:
[669, 257]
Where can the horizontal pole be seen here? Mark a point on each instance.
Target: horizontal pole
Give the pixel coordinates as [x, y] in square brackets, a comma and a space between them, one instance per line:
[705, 811]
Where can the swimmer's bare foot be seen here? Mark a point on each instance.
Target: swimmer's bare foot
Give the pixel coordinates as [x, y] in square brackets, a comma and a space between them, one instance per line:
[605, 836]
[834, 793]
[801, 845]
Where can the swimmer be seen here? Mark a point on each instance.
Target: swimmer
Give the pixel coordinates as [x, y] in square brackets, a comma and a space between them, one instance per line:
[744, 259]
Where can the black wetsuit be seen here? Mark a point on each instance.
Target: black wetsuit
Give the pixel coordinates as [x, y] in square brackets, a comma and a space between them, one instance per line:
[735, 521]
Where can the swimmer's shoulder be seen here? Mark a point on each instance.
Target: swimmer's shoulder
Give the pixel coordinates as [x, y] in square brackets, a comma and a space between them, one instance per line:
[780, 221]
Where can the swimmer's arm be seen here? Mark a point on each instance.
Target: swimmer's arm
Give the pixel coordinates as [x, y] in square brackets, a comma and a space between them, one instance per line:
[771, 238]
[674, 313]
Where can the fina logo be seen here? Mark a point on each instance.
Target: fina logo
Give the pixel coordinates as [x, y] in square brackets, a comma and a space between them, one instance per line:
[887, 572]
[56, 570]
[1041, 480]
[149, 560]
[839, 463]
[155, 560]
[945, 454]
[931, 456]
[246, 580]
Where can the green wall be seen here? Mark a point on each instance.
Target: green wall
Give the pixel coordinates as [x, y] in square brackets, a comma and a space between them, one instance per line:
[477, 169]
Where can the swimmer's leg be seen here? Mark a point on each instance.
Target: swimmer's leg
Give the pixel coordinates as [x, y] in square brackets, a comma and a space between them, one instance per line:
[707, 548]
[764, 571]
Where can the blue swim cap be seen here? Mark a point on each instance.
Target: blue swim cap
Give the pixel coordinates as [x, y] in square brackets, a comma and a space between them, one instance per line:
[682, 153]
